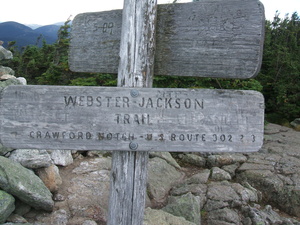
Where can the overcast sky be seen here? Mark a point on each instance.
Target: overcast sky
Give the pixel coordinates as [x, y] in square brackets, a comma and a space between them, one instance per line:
[49, 12]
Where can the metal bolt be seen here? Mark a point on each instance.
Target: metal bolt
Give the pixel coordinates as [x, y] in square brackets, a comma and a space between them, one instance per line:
[134, 93]
[133, 146]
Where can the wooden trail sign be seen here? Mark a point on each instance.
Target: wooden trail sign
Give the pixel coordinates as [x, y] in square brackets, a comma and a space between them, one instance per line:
[213, 38]
[139, 119]
[210, 38]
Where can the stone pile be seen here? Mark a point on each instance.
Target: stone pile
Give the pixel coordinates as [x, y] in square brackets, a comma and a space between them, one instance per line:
[6, 72]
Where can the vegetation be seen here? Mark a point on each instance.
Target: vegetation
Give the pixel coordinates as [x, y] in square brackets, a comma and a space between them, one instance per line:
[280, 72]
[279, 79]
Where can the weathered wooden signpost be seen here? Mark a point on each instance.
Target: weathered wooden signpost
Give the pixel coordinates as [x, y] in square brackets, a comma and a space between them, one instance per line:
[211, 38]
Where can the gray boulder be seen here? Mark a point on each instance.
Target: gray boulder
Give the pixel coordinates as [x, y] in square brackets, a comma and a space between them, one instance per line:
[255, 215]
[199, 178]
[4, 150]
[225, 159]
[6, 71]
[166, 156]
[193, 159]
[155, 217]
[22, 80]
[51, 177]
[296, 124]
[61, 157]
[187, 206]
[277, 189]
[5, 54]
[161, 178]
[7, 206]
[196, 185]
[218, 174]
[224, 216]
[24, 184]
[31, 158]
[9, 82]
[15, 218]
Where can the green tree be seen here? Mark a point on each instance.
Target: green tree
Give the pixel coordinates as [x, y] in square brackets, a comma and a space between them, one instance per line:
[280, 72]
[58, 70]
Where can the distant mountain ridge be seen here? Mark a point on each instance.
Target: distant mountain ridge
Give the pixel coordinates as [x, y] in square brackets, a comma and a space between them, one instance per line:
[24, 35]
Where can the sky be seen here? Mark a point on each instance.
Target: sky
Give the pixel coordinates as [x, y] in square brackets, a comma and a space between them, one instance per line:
[50, 12]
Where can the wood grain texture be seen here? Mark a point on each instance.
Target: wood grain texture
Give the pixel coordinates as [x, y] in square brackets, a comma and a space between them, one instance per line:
[210, 38]
[110, 118]
[129, 169]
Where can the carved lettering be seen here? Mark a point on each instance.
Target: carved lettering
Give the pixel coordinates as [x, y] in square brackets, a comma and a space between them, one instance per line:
[170, 103]
[89, 101]
[212, 138]
[137, 119]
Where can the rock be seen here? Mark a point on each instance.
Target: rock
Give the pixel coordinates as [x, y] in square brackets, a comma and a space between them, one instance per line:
[17, 224]
[212, 205]
[256, 166]
[22, 80]
[274, 189]
[21, 208]
[288, 165]
[231, 168]
[187, 206]
[31, 158]
[272, 128]
[60, 217]
[218, 174]
[161, 177]
[284, 142]
[247, 193]
[89, 222]
[5, 54]
[7, 76]
[6, 71]
[94, 153]
[51, 178]
[4, 150]
[257, 216]
[155, 217]
[15, 218]
[225, 159]
[24, 184]
[90, 166]
[166, 156]
[221, 194]
[263, 180]
[196, 185]
[196, 189]
[61, 157]
[193, 159]
[89, 189]
[58, 197]
[224, 216]
[199, 178]
[296, 124]
[7, 206]
[9, 82]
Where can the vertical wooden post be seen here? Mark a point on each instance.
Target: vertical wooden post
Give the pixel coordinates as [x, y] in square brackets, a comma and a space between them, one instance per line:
[129, 169]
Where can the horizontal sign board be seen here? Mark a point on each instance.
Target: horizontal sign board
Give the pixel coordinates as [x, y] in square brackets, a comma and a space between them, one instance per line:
[210, 38]
[109, 118]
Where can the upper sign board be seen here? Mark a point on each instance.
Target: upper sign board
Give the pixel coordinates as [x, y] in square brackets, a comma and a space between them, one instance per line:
[210, 38]
[145, 119]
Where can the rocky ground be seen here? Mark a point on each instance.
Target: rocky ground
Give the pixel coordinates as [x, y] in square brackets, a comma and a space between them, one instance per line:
[213, 189]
